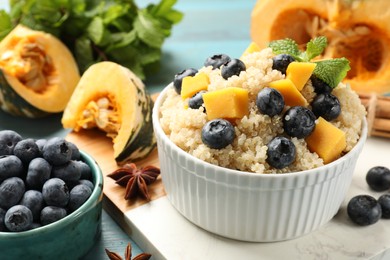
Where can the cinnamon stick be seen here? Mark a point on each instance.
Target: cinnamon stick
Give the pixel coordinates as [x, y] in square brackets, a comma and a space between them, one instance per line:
[378, 114]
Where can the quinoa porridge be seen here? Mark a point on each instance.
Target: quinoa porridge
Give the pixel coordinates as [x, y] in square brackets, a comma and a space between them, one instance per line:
[252, 132]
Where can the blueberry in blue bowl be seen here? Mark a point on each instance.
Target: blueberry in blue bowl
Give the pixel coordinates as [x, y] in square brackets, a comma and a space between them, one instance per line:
[63, 233]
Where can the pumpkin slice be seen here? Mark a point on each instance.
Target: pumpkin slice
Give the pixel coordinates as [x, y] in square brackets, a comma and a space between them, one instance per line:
[112, 98]
[357, 30]
[37, 73]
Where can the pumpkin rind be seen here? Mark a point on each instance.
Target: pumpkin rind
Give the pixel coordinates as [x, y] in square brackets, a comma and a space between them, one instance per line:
[11, 102]
[54, 97]
[134, 138]
[357, 30]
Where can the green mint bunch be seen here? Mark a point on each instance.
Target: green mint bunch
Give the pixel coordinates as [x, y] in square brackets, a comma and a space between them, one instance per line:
[99, 30]
[331, 71]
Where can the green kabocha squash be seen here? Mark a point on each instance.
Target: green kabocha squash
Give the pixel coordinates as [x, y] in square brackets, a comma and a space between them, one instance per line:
[112, 98]
[37, 73]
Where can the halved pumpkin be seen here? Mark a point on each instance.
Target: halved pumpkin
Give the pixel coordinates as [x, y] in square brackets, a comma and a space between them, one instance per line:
[37, 73]
[357, 30]
[112, 98]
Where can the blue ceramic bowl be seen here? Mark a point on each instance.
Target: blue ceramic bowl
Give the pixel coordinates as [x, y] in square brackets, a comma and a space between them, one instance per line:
[69, 238]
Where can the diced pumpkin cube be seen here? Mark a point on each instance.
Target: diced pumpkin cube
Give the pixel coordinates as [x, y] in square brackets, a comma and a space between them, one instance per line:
[228, 103]
[326, 140]
[253, 47]
[193, 84]
[300, 72]
[291, 95]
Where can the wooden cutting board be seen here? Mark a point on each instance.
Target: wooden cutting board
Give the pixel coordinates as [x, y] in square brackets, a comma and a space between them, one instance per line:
[95, 143]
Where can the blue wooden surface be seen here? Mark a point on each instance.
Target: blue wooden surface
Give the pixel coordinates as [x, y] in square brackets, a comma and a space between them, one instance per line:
[208, 27]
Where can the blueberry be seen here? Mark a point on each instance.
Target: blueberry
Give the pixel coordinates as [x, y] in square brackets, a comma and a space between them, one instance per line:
[231, 68]
[179, 78]
[50, 214]
[196, 101]
[38, 173]
[299, 122]
[270, 102]
[75, 151]
[281, 152]
[8, 140]
[87, 183]
[67, 172]
[85, 170]
[55, 192]
[33, 200]
[319, 85]
[378, 178]
[10, 166]
[11, 191]
[2, 217]
[57, 151]
[218, 133]
[364, 210]
[78, 195]
[27, 150]
[41, 143]
[72, 184]
[384, 201]
[217, 60]
[18, 218]
[327, 106]
[281, 62]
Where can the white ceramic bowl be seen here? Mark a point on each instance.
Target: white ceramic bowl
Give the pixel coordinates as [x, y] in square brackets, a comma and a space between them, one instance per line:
[248, 206]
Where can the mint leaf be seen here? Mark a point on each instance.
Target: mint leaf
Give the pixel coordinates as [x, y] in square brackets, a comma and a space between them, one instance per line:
[332, 71]
[164, 10]
[95, 30]
[114, 12]
[315, 47]
[286, 46]
[121, 39]
[5, 24]
[83, 53]
[148, 29]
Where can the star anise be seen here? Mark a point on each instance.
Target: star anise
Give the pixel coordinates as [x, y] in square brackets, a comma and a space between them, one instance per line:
[115, 256]
[136, 180]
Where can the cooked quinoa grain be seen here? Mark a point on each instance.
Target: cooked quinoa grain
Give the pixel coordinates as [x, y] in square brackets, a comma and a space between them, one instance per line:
[248, 152]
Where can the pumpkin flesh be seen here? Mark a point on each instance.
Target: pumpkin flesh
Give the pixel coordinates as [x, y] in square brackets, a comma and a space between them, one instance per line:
[111, 98]
[39, 68]
[357, 30]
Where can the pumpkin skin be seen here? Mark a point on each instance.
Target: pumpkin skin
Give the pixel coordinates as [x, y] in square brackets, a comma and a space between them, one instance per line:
[357, 30]
[33, 90]
[127, 118]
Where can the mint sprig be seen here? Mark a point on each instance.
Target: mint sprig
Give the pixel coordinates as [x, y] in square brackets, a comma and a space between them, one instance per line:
[330, 71]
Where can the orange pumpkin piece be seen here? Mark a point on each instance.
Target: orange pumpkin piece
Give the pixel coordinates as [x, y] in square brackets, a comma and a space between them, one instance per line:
[228, 103]
[291, 95]
[326, 140]
[193, 84]
[299, 73]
